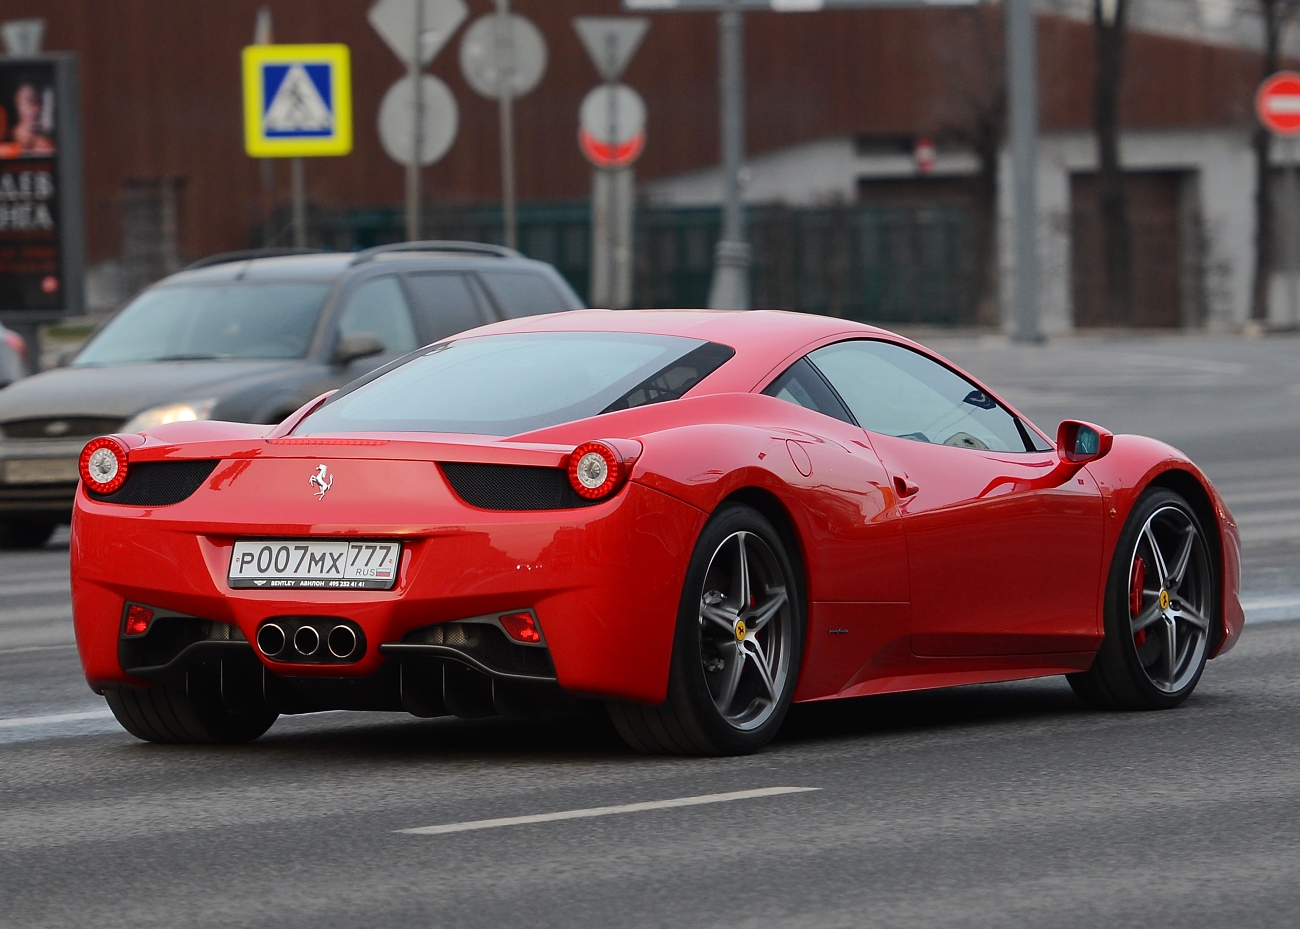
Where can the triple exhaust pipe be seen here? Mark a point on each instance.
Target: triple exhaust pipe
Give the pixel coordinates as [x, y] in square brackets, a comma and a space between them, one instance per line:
[341, 642]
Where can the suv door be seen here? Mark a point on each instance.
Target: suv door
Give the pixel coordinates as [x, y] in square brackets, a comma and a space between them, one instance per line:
[1004, 560]
[445, 304]
[378, 307]
[522, 293]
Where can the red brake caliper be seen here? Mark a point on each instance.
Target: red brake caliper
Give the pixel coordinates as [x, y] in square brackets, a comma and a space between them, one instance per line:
[1136, 583]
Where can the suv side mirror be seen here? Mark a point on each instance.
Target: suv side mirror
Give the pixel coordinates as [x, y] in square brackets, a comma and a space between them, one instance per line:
[1079, 442]
[358, 345]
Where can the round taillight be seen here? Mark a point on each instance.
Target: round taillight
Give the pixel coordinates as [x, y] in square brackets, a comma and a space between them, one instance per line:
[104, 464]
[596, 470]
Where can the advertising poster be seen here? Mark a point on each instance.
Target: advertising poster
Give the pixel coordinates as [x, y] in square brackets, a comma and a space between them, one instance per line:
[31, 272]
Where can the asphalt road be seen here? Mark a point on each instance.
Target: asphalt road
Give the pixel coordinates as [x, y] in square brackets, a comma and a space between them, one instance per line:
[994, 805]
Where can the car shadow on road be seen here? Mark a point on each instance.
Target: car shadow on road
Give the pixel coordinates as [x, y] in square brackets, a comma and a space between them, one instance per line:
[980, 704]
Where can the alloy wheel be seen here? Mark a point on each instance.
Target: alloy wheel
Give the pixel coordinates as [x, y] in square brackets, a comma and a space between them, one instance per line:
[746, 628]
[1170, 595]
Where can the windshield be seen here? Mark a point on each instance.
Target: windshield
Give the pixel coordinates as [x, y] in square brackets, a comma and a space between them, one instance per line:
[509, 384]
[201, 322]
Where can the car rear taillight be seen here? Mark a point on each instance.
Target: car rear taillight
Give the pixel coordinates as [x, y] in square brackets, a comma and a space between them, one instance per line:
[104, 464]
[17, 343]
[137, 620]
[522, 628]
[596, 470]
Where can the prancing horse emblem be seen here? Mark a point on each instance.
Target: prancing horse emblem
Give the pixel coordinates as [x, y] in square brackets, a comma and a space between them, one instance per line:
[318, 480]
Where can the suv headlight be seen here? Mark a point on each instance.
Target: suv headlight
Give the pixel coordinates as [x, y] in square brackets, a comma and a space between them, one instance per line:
[186, 412]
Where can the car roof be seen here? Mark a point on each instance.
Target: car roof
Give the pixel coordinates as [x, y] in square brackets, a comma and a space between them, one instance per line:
[330, 266]
[763, 339]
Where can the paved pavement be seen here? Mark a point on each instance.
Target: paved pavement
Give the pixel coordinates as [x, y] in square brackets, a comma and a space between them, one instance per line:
[993, 805]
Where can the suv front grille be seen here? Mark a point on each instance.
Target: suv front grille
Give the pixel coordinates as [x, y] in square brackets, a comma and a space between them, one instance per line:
[159, 483]
[61, 427]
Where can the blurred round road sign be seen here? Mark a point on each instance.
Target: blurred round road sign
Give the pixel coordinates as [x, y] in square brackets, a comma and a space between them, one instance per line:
[611, 126]
[500, 52]
[439, 117]
[1278, 103]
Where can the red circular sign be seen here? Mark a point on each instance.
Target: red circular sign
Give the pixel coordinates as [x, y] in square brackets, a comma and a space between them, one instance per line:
[1278, 103]
[611, 155]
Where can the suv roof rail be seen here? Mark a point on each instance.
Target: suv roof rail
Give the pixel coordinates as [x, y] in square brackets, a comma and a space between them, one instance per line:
[249, 253]
[436, 245]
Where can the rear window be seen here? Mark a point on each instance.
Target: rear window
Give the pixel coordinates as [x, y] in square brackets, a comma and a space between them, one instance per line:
[509, 384]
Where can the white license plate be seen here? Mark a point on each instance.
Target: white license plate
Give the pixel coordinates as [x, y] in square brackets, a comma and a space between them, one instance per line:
[41, 471]
[299, 563]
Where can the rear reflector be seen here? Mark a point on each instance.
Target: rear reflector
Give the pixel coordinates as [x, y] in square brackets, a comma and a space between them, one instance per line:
[522, 628]
[138, 619]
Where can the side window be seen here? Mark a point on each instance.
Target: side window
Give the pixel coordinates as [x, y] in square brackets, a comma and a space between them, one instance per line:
[521, 293]
[895, 391]
[803, 386]
[445, 304]
[379, 307]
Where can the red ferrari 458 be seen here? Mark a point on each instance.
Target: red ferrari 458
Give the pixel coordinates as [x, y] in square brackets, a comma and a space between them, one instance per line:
[696, 518]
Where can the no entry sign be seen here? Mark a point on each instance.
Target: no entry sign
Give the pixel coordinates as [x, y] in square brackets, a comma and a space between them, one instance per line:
[1278, 103]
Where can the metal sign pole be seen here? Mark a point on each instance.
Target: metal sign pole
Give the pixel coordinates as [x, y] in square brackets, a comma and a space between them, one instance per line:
[414, 68]
[1292, 212]
[298, 179]
[730, 290]
[505, 42]
[1022, 89]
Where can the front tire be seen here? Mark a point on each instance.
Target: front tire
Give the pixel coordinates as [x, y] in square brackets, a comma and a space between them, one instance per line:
[1161, 610]
[737, 647]
[194, 713]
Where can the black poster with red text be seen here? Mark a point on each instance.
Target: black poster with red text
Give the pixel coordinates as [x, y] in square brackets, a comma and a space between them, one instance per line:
[31, 273]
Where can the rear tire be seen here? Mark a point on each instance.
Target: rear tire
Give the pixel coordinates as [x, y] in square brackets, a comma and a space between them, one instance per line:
[1161, 610]
[193, 714]
[737, 647]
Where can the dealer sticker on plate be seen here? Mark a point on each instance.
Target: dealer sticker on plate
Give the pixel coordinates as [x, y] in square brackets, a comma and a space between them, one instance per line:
[295, 563]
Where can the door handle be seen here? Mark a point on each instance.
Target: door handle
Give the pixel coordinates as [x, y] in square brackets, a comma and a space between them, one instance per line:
[905, 487]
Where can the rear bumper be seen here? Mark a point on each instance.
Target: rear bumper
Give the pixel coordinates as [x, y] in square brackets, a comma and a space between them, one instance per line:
[604, 582]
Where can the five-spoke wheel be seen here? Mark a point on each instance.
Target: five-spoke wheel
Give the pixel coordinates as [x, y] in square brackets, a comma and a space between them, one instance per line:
[1161, 604]
[737, 646]
[745, 627]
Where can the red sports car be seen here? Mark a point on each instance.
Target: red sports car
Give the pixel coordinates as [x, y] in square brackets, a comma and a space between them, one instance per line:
[696, 518]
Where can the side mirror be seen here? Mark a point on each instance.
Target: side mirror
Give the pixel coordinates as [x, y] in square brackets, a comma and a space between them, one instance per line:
[1079, 443]
[358, 345]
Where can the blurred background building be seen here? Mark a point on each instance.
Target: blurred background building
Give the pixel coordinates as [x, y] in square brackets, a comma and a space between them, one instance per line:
[877, 178]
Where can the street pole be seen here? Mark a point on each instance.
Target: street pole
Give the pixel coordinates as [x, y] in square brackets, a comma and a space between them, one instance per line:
[414, 70]
[1022, 89]
[730, 290]
[262, 35]
[1291, 196]
[298, 180]
[507, 114]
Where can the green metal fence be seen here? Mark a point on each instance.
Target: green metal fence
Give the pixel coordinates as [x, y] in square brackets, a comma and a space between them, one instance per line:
[876, 264]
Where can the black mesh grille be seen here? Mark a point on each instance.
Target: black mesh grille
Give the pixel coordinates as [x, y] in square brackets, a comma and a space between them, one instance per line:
[513, 487]
[60, 427]
[159, 483]
[486, 644]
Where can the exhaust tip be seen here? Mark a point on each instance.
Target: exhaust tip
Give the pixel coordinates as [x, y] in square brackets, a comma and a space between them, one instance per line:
[342, 642]
[306, 640]
[270, 640]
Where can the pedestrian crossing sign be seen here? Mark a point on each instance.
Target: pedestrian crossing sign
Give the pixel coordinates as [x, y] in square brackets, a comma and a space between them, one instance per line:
[297, 100]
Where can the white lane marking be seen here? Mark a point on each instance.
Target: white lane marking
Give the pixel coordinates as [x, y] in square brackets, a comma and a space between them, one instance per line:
[34, 648]
[1271, 603]
[55, 719]
[28, 588]
[606, 810]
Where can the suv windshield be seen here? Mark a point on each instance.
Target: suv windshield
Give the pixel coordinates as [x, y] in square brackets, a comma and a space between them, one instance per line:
[509, 384]
[211, 321]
